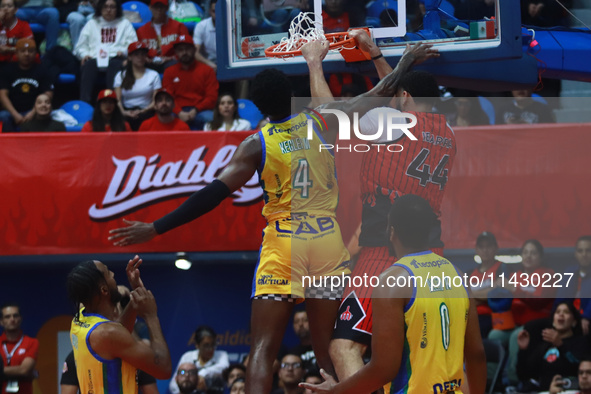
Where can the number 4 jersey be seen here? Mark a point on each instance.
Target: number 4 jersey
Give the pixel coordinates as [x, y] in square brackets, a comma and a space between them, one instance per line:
[422, 168]
[302, 238]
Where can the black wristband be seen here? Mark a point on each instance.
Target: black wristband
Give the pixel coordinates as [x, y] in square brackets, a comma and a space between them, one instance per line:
[199, 203]
[377, 57]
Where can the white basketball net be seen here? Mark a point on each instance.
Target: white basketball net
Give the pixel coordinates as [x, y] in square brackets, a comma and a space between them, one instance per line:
[299, 34]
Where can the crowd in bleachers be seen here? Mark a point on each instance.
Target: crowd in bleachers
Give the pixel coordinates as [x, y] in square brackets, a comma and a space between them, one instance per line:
[136, 49]
[536, 336]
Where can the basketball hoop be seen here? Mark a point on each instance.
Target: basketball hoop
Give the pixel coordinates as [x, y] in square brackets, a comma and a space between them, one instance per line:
[299, 35]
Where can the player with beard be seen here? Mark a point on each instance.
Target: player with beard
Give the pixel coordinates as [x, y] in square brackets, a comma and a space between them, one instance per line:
[164, 118]
[107, 355]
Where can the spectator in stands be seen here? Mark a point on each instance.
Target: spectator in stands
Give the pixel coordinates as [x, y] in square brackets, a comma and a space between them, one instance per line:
[225, 116]
[164, 119]
[238, 386]
[529, 302]
[468, 111]
[160, 34]
[304, 350]
[209, 361]
[11, 30]
[204, 37]
[312, 378]
[559, 383]
[578, 287]
[544, 13]
[490, 268]
[187, 378]
[523, 109]
[76, 14]
[42, 120]
[290, 374]
[102, 46]
[20, 85]
[193, 85]
[340, 83]
[136, 85]
[19, 352]
[233, 372]
[334, 17]
[44, 13]
[107, 116]
[559, 351]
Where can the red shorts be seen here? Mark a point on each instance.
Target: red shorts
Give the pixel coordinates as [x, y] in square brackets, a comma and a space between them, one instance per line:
[355, 320]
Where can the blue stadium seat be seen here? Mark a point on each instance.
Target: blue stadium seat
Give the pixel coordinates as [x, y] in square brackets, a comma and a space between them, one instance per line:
[488, 108]
[142, 9]
[80, 110]
[66, 78]
[247, 110]
[538, 98]
[37, 28]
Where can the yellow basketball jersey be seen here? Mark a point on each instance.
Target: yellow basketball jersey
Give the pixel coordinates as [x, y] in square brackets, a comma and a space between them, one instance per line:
[297, 174]
[435, 324]
[95, 374]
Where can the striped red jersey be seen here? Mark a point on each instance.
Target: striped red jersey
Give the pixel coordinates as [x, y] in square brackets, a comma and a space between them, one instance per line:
[422, 168]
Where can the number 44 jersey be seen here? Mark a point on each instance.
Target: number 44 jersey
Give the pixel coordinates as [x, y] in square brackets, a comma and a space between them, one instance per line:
[422, 167]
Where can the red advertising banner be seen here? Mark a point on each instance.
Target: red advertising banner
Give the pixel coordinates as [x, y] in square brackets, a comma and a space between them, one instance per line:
[62, 193]
[519, 182]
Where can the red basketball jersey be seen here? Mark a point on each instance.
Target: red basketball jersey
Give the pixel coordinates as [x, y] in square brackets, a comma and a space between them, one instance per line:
[422, 168]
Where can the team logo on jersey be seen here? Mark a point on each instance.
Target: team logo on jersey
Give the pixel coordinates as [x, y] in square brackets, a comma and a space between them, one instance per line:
[552, 355]
[21, 351]
[346, 315]
[424, 332]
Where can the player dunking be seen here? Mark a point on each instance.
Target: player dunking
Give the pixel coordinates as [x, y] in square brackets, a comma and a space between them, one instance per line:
[301, 237]
[422, 168]
[423, 335]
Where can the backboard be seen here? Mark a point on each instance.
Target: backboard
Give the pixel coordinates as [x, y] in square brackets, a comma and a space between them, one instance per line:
[476, 43]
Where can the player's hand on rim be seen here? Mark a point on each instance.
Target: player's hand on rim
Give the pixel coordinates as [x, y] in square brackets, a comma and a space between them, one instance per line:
[420, 52]
[315, 50]
[134, 233]
[364, 41]
[325, 387]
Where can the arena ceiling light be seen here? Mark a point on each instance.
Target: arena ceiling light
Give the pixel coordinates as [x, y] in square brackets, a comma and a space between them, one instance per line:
[181, 261]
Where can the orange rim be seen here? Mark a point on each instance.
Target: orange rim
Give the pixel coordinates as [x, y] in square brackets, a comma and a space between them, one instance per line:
[337, 40]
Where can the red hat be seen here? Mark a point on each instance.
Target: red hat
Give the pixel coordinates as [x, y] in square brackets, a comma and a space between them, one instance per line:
[162, 91]
[107, 93]
[153, 2]
[184, 39]
[136, 46]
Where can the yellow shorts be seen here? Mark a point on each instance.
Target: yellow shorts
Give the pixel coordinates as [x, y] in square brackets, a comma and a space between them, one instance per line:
[296, 249]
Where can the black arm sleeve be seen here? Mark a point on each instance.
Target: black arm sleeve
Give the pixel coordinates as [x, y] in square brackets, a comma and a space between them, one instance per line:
[69, 375]
[199, 203]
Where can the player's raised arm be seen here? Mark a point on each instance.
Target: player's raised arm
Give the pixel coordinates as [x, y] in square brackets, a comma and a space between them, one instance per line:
[314, 52]
[381, 94]
[366, 44]
[114, 341]
[241, 168]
